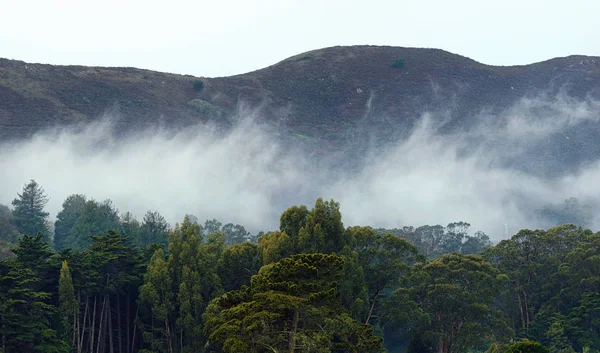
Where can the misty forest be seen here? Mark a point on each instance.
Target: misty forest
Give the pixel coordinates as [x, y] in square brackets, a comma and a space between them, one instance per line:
[348, 199]
[95, 280]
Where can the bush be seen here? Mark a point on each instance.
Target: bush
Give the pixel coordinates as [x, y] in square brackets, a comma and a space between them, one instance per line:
[527, 347]
[198, 85]
[398, 64]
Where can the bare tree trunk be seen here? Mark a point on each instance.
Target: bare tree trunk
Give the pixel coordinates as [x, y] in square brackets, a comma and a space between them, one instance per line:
[372, 306]
[134, 330]
[168, 333]
[110, 328]
[128, 322]
[100, 326]
[119, 324]
[82, 328]
[525, 299]
[93, 326]
[520, 308]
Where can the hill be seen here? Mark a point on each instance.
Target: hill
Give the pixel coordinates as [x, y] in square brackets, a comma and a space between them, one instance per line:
[339, 97]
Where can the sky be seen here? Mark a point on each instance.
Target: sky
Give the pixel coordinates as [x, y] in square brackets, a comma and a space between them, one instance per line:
[227, 37]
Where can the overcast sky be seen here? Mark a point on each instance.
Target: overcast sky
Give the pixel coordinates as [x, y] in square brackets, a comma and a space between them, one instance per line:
[225, 37]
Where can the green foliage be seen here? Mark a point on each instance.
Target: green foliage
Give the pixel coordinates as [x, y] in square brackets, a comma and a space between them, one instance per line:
[435, 241]
[398, 64]
[450, 302]
[8, 233]
[69, 308]
[28, 215]
[527, 347]
[570, 211]
[237, 265]
[96, 219]
[154, 230]
[204, 107]
[302, 231]
[198, 85]
[26, 312]
[291, 305]
[73, 208]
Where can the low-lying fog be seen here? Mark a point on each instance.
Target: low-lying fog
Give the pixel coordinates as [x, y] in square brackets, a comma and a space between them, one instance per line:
[248, 177]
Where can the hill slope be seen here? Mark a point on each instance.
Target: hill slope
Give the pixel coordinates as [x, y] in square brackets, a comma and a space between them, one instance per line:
[334, 97]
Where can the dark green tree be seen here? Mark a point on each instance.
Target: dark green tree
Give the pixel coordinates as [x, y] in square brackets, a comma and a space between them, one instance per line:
[72, 208]
[96, 220]
[292, 305]
[29, 215]
[452, 303]
[155, 230]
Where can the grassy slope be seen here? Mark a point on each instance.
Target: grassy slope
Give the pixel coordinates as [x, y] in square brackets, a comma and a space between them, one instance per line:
[322, 94]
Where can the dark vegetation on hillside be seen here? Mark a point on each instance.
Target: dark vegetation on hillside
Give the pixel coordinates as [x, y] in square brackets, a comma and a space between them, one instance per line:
[105, 282]
[347, 99]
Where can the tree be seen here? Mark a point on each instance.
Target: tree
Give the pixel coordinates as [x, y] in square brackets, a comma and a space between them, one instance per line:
[291, 305]
[72, 208]
[69, 308]
[28, 215]
[8, 233]
[451, 300]
[157, 298]
[155, 230]
[235, 234]
[25, 312]
[211, 226]
[95, 220]
[384, 260]
[302, 231]
[131, 229]
[237, 265]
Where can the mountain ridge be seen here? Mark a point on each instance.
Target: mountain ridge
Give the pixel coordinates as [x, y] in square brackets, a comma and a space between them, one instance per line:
[332, 98]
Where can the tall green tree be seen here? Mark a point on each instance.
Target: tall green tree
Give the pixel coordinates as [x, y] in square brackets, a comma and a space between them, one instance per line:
[26, 312]
[302, 231]
[69, 308]
[96, 219]
[452, 303]
[29, 215]
[155, 230]
[72, 208]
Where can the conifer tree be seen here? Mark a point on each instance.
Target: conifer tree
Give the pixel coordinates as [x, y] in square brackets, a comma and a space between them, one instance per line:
[29, 215]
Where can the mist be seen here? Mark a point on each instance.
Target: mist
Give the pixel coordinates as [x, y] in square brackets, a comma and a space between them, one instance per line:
[249, 175]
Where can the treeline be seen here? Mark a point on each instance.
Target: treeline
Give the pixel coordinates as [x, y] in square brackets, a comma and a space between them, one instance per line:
[311, 286]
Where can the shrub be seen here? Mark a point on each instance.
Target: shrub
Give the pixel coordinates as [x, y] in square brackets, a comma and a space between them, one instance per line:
[398, 64]
[198, 85]
[527, 347]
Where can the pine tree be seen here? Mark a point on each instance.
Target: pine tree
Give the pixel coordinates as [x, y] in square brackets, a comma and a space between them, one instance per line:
[29, 215]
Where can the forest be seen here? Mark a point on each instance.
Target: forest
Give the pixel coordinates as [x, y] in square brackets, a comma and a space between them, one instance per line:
[97, 281]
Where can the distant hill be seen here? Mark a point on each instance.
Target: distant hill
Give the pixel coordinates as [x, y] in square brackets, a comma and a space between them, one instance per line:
[339, 97]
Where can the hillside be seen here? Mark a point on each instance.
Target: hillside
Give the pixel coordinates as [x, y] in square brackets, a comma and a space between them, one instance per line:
[334, 97]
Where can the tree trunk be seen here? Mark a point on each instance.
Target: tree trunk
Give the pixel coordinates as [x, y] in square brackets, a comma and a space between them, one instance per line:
[129, 343]
[82, 328]
[520, 308]
[526, 299]
[372, 306]
[294, 329]
[100, 326]
[119, 324]
[93, 326]
[110, 327]
[168, 333]
[134, 330]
